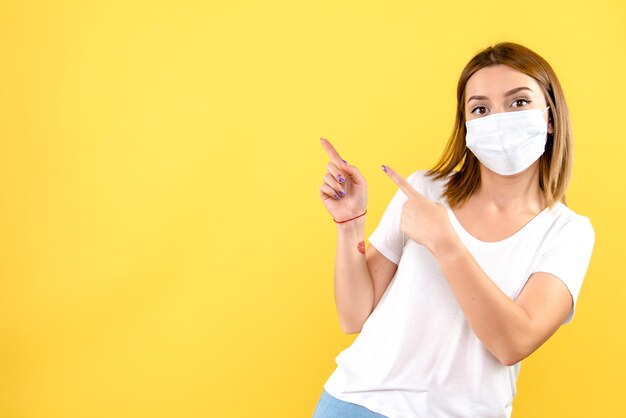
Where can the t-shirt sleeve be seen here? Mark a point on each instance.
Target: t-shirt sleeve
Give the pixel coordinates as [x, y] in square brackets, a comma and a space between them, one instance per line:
[387, 237]
[568, 256]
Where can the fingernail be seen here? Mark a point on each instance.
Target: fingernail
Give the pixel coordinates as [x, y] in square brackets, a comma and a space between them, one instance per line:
[384, 168]
[336, 197]
[341, 193]
[340, 179]
[344, 161]
[323, 139]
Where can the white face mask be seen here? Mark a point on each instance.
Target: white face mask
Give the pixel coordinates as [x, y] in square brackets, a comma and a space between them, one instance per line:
[508, 142]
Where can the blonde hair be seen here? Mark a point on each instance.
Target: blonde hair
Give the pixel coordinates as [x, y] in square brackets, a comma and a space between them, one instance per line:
[555, 164]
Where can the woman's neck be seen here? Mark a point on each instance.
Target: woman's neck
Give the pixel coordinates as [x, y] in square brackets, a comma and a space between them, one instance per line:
[520, 192]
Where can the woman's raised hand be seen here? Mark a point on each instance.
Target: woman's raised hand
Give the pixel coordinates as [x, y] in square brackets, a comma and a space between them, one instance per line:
[344, 191]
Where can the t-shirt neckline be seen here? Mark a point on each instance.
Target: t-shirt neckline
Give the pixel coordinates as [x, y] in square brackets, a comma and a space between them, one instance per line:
[520, 232]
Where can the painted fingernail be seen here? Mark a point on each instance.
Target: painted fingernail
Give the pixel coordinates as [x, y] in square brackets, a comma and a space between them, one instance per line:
[336, 197]
[384, 168]
[344, 161]
[341, 193]
[340, 179]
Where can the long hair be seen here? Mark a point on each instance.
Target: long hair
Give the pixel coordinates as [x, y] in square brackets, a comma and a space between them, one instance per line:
[555, 164]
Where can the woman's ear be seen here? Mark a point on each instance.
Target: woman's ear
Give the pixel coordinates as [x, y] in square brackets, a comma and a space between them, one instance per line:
[550, 127]
[550, 124]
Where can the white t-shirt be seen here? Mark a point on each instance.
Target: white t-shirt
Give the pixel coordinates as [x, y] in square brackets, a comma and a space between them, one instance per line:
[416, 355]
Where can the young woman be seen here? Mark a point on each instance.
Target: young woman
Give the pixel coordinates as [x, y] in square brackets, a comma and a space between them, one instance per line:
[475, 263]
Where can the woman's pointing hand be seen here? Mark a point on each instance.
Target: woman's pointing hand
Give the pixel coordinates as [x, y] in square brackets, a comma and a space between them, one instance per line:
[423, 220]
[344, 191]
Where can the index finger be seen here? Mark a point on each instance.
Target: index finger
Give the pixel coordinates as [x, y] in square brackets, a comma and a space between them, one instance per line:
[404, 185]
[332, 152]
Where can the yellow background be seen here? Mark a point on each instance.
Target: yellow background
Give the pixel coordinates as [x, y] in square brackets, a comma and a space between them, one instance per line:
[163, 248]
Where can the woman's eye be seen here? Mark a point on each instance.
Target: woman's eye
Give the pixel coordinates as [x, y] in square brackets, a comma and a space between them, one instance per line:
[520, 102]
[479, 110]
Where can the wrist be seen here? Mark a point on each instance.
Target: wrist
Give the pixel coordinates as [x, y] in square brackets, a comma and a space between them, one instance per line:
[357, 224]
[350, 219]
[448, 249]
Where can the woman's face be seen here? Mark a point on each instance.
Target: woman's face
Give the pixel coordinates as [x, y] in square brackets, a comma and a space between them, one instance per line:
[500, 88]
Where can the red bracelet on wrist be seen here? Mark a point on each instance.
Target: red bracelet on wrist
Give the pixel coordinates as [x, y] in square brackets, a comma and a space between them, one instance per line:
[348, 220]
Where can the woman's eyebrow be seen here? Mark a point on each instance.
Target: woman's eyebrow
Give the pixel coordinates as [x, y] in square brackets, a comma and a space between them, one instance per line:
[507, 94]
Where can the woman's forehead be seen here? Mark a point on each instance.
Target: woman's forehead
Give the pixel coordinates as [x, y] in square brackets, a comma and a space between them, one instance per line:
[498, 80]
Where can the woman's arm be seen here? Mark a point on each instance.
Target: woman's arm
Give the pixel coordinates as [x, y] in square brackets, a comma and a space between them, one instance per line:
[360, 279]
[510, 330]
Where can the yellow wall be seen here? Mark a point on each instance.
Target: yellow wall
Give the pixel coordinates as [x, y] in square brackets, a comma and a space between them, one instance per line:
[163, 248]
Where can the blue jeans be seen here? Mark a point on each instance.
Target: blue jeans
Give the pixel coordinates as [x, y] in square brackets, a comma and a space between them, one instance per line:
[330, 407]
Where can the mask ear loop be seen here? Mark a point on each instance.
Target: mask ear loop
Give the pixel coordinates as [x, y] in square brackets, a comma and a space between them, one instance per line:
[549, 121]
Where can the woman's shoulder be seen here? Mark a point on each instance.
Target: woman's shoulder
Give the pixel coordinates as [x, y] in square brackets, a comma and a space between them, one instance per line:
[562, 217]
[425, 183]
[564, 212]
